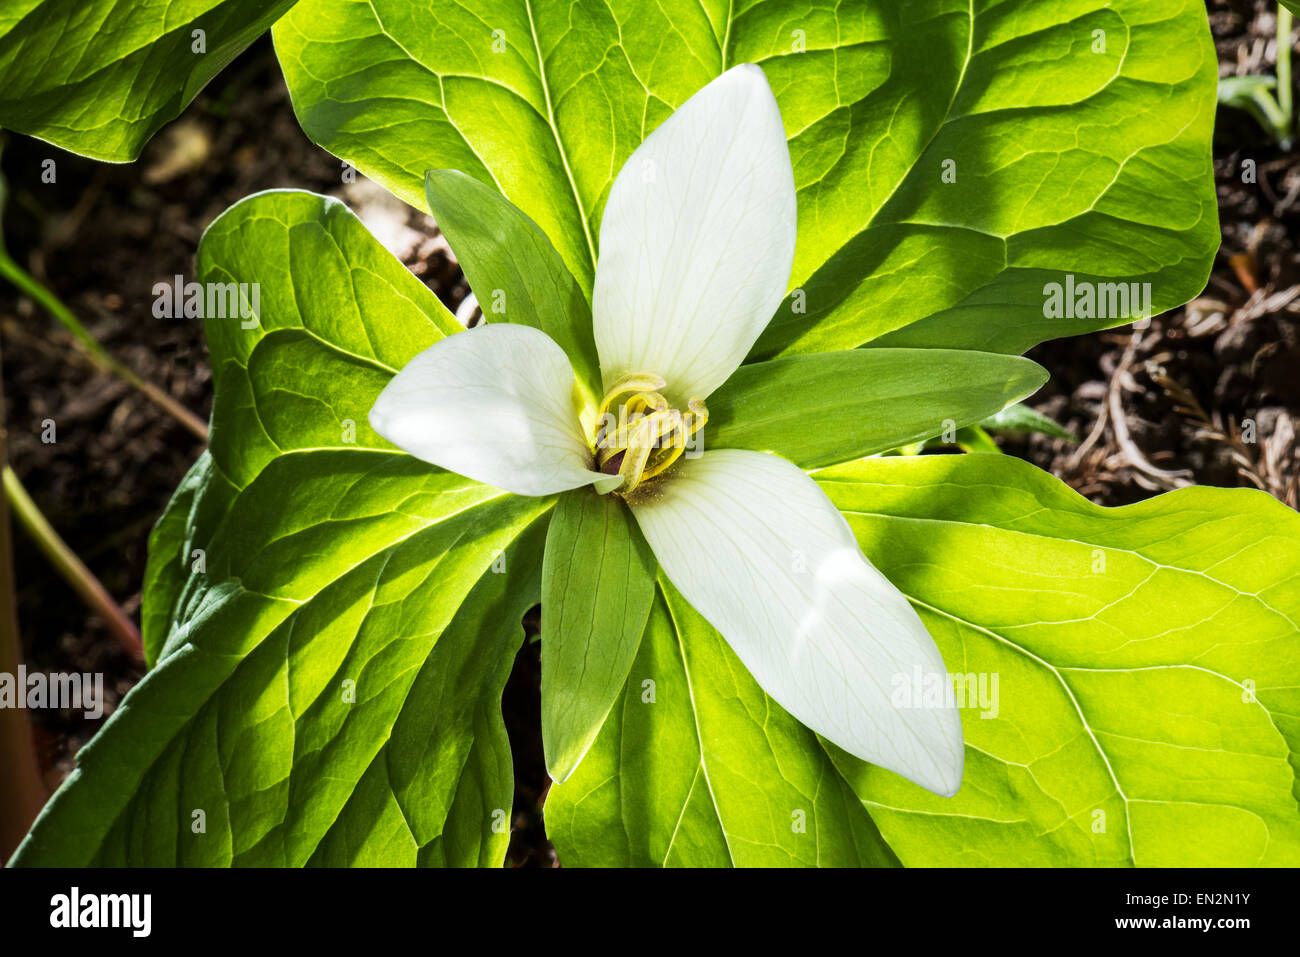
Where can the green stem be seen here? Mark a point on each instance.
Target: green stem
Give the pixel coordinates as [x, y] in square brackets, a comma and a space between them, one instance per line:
[28, 284]
[23, 792]
[1284, 92]
[73, 570]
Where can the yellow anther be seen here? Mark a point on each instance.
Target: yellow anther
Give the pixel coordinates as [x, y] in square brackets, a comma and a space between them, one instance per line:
[692, 422]
[699, 415]
[631, 383]
[645, 403]
[671, 455]
[645, 438]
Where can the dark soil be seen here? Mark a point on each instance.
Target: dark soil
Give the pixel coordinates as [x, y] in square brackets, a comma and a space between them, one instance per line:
[1156, 407]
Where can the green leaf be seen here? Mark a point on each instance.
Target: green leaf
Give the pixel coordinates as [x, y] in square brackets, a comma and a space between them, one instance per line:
[100, 77]
[329, 689]
[830, 407]
[974, 439]
[513, 269]
[1021, 419]
[426, 89]
[1147, 663]
[697, 767]
[327, 291]
[1080, 133]
[427, 799]
[597, 586]
[174, 552]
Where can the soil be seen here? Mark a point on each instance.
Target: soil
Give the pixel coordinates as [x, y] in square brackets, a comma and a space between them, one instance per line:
[1206, 394]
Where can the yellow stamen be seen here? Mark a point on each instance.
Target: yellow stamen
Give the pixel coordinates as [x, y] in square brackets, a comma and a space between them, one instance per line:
[645, 402]
[632, 382]
[648, 434]
[691, 423]
[699, 415]
[670, 456]
[645, 439]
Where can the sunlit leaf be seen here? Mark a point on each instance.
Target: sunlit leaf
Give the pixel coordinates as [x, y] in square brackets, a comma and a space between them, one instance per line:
[100, 77]
[1129, 675]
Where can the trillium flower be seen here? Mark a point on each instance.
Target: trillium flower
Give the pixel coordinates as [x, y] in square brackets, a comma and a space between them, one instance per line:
[696, 248]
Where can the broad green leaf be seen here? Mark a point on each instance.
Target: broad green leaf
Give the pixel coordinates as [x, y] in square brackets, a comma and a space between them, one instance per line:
[426, 798]
[1078, 132]
[1147, 661]
[436, 85]
[100, 77]
[1077, 135]
[196, 506]
[825, 408]
[513, 269]
[1023, 419]
[697, 767]
[597, 585]
[329, 689]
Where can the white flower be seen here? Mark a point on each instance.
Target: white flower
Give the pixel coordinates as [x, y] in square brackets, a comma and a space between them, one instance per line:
[696, 248]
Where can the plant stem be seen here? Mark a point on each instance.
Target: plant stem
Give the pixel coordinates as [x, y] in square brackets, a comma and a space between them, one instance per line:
[23, 792]
[1284, 92]
[28, 284]
[73, 570]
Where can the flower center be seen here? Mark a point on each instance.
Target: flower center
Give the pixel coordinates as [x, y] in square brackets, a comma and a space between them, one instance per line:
[637, 434]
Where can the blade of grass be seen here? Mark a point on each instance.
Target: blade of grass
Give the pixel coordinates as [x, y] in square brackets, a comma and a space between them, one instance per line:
[28, 284]
[1284, 93]
[73, 570]
[96, 353]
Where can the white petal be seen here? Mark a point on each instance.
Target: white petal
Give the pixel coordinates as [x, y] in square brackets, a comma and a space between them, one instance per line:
[758, 549]
[495, 404]
[697, 239]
